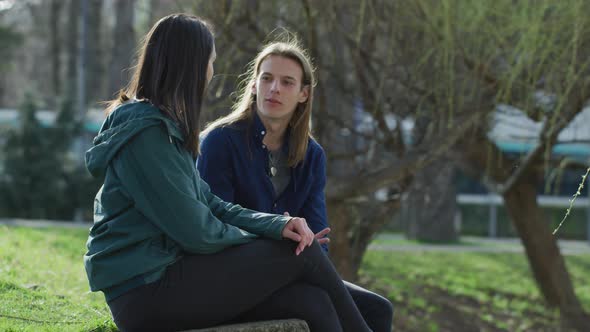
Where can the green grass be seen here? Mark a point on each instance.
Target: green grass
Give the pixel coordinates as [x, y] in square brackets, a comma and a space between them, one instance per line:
[43, 286]
[491, 291]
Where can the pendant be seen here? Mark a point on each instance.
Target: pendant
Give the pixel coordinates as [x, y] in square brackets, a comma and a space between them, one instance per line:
[273, 171]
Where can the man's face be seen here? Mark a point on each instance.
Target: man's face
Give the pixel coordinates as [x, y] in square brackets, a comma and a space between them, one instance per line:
[278, 87]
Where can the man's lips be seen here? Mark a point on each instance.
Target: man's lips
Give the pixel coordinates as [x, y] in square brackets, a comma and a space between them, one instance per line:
[273, 101]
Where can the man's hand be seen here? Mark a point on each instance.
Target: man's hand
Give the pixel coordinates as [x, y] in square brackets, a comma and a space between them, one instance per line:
[320, 236]
[297, 230]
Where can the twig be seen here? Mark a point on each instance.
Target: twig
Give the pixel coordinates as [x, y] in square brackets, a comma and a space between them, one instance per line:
[567, 213]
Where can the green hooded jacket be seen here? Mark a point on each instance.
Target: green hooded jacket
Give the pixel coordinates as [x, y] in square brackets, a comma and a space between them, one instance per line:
[153, 206]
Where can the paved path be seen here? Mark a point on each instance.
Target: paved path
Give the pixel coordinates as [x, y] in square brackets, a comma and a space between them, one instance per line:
[40, 223]
[397, 241]
[471, 244]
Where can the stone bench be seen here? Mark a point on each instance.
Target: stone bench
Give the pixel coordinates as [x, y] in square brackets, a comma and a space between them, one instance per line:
[286, 325]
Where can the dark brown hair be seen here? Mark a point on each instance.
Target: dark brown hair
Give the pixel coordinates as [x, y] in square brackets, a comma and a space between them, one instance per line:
[171, 72]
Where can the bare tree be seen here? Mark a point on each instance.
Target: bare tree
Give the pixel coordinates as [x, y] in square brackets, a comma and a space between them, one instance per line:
[72, 49]
[55, 48]
[123, 45]
[432, 204]
[95, 53]
[509, 60]
[449, 64]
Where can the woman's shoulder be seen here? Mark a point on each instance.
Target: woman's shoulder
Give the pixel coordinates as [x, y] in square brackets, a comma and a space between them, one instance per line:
[131, 110]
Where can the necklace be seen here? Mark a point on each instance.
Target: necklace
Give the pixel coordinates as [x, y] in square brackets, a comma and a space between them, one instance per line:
[273, 161]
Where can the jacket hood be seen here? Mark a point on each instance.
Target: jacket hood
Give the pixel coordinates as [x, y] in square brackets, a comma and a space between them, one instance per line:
[121, 126]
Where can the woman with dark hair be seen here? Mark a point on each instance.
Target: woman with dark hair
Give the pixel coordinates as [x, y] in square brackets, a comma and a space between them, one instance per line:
[166, 252]
[262, 156]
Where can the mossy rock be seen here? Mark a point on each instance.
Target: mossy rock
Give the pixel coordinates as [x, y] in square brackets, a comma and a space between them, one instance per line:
[286, 325]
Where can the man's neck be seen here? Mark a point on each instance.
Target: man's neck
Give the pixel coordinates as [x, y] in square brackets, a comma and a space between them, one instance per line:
[275, 132]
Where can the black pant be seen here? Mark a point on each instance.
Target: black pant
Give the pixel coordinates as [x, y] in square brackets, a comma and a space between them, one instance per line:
[375, 309]
[205, 290]
[314, 306]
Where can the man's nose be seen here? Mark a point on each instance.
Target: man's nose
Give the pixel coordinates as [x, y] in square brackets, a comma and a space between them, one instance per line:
[274, 87]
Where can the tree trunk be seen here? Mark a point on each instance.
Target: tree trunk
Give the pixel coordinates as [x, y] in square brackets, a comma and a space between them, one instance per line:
[353, 227]
[95, 54]
[72, 49]
[153, 12]
[544, 256]
[340, 250]
[545, 259]
[123, 46]
[432, 204]
[55, 50]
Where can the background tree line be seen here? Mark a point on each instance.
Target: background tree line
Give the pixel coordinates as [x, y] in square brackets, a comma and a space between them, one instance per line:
[443, 66]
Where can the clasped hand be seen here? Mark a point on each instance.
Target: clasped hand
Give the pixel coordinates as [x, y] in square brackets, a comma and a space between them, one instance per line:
[298, 231]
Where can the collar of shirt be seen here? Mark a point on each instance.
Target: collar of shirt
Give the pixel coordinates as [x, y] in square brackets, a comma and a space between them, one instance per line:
[258, 133]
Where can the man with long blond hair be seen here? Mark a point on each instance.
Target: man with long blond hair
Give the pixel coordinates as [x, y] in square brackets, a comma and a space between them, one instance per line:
[263, 156]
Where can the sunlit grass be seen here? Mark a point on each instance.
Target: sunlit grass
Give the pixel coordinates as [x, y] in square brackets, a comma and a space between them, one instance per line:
[43, 286]
[490, 288]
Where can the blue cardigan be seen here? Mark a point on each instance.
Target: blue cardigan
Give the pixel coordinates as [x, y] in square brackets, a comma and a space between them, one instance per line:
[234, 162]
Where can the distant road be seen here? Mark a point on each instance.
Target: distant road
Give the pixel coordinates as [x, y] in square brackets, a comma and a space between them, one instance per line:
[40, 223]
[471, 244]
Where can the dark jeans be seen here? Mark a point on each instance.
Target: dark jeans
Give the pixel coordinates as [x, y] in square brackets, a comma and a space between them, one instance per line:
[315, 307]
[375, 309]
[205, 290]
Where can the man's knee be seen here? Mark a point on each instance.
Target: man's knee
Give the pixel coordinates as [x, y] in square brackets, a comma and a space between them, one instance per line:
[386, 306]
[370, 303]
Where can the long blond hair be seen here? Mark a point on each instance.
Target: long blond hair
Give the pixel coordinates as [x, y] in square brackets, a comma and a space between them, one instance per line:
[300, 131]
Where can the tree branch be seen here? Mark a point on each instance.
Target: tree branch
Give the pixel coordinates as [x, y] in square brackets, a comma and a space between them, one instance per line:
[373, 180]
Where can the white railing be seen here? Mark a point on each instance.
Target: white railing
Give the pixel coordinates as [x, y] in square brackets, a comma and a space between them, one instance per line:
[494, 200]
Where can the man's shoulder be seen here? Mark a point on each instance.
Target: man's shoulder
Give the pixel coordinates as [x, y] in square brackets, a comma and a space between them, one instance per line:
[217, 133]
[314, 148]
[222, 136]
[315, 157]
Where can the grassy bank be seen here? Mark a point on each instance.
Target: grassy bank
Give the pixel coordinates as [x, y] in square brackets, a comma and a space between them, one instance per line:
[42, 282]
[43, 287]
[467, 291]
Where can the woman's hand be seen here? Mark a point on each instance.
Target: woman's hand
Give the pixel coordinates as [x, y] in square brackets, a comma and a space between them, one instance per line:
[297, 230]
[320, 236]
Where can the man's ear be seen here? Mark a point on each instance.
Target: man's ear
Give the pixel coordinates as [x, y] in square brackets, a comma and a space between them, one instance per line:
[304, 94]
